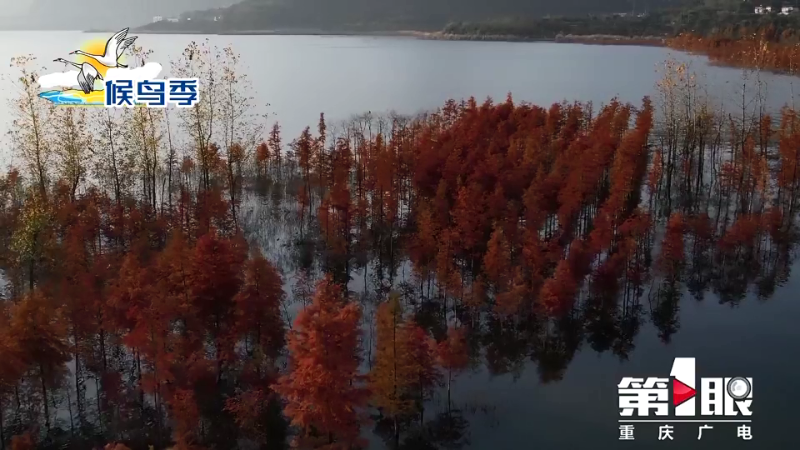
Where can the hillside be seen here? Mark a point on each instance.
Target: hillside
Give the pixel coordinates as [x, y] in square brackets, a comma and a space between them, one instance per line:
[711, 21]
[388, 15]
[97, 14]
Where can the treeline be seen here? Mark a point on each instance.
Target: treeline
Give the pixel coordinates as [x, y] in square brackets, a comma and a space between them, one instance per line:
[701, 21]
[768, 43]
[139, 307]
[653, 24]
[762, 50]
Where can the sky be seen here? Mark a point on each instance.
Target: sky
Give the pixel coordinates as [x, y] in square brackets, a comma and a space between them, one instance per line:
[100, 14]
[15, 8]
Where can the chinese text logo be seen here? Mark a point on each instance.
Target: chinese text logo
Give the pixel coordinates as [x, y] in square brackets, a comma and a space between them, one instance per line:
[103, 78]
[672, 400]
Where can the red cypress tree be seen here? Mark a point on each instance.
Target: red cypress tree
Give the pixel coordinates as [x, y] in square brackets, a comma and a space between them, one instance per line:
[497, 261]
[262, 157]
[259, 304]
[186, 417]
[215, 280]
[323, 387]
[390, 378]
[40, 333]
[423, 373]
[672, 248]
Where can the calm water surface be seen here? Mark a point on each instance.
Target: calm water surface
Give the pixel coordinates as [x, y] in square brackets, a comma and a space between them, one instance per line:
[301, 76]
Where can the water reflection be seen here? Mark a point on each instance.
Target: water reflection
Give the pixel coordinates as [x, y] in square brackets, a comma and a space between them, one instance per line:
[568, 246]
[699, 225]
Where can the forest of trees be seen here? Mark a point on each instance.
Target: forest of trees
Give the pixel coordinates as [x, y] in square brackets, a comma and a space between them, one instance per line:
[144, 305]
[714, 21]
[770, 49]
[769, 43]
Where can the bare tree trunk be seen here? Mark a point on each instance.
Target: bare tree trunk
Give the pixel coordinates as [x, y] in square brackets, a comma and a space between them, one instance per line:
[44, 396]
[2, 433]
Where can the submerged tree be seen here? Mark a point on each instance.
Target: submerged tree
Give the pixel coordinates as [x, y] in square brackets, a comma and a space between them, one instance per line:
[323, 387]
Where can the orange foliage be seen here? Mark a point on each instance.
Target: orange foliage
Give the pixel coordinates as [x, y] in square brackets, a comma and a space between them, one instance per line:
[115, 446]
[757, 51]
[421, 350]
[405, 364]
[497, 261]
[184, 410]
[259, 304]
[262, 153]
[391, 377]
[452, 352]
[510, 185]
[559, 290]
[248, 409]
[23, 442]
[742, 233]
[504, 208]
[322, 386]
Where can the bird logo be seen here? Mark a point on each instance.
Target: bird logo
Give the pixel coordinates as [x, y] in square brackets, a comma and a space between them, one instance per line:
[97, 60]
[113, 50]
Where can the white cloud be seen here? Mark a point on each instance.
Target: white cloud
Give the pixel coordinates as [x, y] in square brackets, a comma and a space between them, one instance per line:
[69, 79]
[147, 72]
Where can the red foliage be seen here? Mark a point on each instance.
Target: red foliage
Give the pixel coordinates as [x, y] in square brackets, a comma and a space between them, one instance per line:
[248, 409]
[422, 351]
[258, 302]
[116, 446]
[186, 416]
[759, 50]
[262, 153]
[23, 442]
[453, 352]
[322, 386]
[497, 261]
[742, 233]
[214, 272]
[559, 291]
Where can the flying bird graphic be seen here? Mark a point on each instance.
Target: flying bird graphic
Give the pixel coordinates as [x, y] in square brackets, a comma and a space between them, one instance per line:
[115, 47]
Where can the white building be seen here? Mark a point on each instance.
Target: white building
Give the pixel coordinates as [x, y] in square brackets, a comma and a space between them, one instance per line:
[172, 19]
[763, 9]
[786, 10]
[158, 19]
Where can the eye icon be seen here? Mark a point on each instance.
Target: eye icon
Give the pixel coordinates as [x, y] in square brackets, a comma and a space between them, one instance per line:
[739, 388]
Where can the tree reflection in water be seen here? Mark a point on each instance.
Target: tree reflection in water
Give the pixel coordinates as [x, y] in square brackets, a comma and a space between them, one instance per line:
[508, 235]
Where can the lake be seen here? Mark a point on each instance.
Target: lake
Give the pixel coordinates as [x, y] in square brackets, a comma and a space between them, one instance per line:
[301, 76]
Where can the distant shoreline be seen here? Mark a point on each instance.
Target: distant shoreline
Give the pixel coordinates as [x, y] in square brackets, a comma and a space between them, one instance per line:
[297, 32]
[597, 39]
[643, 41]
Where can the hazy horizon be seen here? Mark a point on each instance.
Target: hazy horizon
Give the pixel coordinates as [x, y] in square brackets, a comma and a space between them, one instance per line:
[83, 14]
[17, 8]
[102, 14]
